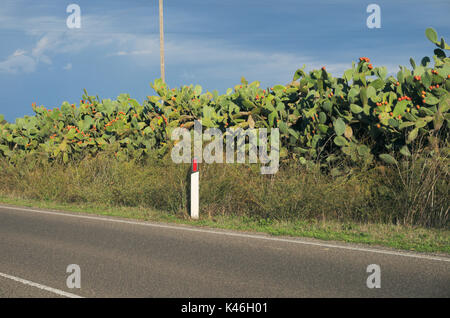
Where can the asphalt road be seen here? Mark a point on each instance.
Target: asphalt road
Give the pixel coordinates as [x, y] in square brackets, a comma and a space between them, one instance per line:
[124, 258]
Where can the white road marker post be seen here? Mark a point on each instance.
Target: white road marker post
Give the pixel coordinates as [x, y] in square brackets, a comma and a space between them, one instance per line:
[195, 180]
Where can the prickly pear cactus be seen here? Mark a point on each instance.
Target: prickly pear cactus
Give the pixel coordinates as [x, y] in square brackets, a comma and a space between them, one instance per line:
[366, 115]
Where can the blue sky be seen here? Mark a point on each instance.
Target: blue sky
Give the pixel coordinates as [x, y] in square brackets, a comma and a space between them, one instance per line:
[211, 43]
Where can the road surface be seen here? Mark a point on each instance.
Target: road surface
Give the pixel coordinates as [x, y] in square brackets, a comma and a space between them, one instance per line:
[127, 258]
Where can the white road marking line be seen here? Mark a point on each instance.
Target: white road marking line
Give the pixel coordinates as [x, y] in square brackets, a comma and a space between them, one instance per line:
[40, 286]
[226, 233]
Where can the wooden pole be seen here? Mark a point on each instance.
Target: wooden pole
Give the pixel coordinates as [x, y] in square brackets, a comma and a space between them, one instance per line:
[161, 40]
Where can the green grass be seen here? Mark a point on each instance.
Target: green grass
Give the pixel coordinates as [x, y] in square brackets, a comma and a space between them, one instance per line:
[402, 237]
[404, 208]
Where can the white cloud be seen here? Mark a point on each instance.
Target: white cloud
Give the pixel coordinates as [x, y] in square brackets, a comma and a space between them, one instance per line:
[68, 67]
[19, 52]
[41, 46]
[21, 62]
[217, 58]
[198, 58]
[18, 62]
[137, 52]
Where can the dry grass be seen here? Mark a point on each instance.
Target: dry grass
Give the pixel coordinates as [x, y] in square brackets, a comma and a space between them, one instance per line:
[295, 193]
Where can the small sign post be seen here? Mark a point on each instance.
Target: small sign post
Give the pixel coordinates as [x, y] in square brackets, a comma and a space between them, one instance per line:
[195, 190]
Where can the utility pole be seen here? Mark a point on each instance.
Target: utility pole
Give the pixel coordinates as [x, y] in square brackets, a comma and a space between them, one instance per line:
[161, 40]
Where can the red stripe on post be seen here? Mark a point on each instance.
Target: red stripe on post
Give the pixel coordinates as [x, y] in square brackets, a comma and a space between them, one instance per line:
[194, 165]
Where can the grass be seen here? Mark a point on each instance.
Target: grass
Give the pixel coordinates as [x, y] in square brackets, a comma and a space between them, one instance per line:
[411, 238]
[404, 207]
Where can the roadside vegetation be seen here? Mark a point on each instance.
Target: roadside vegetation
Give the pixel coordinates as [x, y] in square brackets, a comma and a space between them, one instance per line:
[370, 206]
[364, 158]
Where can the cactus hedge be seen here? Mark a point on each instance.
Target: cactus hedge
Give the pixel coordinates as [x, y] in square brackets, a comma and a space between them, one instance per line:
[364, 116]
